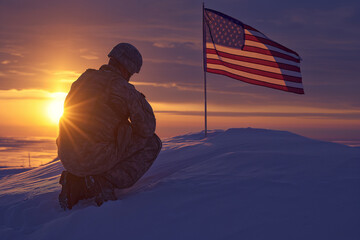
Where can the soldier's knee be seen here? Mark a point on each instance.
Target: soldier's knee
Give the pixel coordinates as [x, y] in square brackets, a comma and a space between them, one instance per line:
[124, 183]
[157, 141]
[129, 184]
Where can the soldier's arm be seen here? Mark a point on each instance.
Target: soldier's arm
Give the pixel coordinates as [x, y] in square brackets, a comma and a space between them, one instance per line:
[141, 115]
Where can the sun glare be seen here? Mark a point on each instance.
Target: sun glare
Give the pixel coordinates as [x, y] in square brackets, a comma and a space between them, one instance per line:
[56, 107]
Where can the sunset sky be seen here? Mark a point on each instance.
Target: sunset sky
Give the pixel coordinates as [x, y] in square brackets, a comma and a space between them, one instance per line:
[45, 46]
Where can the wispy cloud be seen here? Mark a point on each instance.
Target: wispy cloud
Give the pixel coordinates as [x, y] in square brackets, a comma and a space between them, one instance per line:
[186, 62]
[312, 115]
[164, 44]
[64, 80]
[65, 73]
[28, 94]
[21, 73]
[87, 54]
[89, 57]
[12, 50]
[193, 87]
[83, 50]
[17, 54]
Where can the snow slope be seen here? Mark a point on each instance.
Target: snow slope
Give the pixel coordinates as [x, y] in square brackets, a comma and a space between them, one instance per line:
[235, 184]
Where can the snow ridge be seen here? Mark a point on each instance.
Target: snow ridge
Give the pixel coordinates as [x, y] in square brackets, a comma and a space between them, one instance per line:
[235, 184]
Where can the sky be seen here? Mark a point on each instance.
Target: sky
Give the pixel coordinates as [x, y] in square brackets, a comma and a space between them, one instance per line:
[46, 45]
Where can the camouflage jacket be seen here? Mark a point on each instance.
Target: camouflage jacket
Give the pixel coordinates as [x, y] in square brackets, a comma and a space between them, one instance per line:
[105, 120]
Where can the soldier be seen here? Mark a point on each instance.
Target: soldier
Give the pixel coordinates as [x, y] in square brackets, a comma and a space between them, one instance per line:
[107, 134]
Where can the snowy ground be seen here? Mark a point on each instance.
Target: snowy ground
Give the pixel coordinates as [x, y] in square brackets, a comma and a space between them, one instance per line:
[236, 184]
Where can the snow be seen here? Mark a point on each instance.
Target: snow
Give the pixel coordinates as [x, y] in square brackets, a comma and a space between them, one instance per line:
[234, 184]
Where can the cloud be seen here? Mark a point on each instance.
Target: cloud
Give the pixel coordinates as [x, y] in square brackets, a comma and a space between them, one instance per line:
[15, 144]
[339, 115]
[5, 62]
[164, 44]
[66, 73]
[87, 54]
[17, 54]
[89, 57]
[154, 84]
[83, 50]
[21, 73]
[38, 94]
[189, 87]
[158, 35]
[64, 80]
[186, 62]
[12, 50]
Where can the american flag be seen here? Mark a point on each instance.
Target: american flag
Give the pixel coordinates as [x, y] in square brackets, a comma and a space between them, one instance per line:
[239, 51]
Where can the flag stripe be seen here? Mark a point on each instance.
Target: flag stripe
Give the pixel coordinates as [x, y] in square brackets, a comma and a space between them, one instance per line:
[254, 65]
[270, 53]
[264, 46]
[253, 76]
[250, 54]
[255, 60]
[256, 82]
[255, 33]
[269, 42]
[252, 31]
[255, 71]
[242, 52]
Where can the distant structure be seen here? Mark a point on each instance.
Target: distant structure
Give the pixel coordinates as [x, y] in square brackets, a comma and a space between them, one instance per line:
[29, 160]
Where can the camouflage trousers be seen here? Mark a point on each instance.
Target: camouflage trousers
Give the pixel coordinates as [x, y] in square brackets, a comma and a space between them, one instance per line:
[130, 170]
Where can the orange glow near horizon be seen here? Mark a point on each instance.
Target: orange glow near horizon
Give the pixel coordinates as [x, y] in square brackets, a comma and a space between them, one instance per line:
[37, 113]
[55, 108]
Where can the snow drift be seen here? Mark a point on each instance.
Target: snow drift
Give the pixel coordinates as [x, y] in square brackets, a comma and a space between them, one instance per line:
[234, 184]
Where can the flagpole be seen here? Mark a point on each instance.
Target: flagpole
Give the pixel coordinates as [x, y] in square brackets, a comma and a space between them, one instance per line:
[204, 64]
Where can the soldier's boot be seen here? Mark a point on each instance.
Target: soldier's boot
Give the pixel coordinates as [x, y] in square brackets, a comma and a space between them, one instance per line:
[73, 190]
[100, 188]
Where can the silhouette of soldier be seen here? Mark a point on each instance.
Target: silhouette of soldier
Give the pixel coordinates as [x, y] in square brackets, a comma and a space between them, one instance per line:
[107, 134]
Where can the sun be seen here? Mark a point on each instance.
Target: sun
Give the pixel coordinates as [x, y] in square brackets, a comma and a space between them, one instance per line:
[55, 108]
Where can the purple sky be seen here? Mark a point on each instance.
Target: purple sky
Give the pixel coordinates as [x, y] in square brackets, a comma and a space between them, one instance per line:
[45, 45]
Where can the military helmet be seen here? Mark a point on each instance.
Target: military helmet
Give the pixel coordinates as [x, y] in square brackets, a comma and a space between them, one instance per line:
[127, 55]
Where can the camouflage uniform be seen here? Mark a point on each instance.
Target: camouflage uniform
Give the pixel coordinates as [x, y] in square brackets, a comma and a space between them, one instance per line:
[108, 128]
